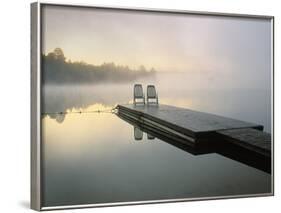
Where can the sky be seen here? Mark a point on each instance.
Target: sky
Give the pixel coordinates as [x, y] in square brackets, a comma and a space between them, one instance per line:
[220, 47]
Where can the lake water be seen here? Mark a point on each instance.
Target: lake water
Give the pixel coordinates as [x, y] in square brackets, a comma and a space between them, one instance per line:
[91, 158]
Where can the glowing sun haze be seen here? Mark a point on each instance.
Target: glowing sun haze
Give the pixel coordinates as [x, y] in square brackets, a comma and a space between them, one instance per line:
[167, 42]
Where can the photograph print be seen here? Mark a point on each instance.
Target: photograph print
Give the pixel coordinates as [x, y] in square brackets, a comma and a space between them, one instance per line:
[148, 106]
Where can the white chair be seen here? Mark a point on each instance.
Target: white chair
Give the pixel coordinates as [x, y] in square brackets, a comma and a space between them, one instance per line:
[151, 94]
[138, 94]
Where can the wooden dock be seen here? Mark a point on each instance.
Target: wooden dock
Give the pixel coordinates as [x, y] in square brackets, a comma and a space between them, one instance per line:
[199, 129]
[229, 150]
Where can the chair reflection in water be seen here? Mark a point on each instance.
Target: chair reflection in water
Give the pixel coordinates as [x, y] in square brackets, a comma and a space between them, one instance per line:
[150, 137]
[138, 94]
[138, 134]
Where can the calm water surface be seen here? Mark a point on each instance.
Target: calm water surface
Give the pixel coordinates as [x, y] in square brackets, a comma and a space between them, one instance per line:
[95, 158]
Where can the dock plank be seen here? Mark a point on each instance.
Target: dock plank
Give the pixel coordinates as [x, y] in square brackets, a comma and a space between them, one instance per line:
[194, 122]
[249, 138]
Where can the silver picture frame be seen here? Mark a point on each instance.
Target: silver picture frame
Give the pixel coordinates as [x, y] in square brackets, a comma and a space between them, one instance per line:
[36, 146]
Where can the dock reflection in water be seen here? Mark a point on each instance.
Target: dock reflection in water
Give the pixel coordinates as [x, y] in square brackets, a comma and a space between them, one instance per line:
[223, 148]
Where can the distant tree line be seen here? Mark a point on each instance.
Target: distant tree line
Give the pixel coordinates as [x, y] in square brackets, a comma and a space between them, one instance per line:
[56, 70]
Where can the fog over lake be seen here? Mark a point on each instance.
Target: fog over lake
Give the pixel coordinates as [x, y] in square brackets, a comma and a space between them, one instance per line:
[248, 104]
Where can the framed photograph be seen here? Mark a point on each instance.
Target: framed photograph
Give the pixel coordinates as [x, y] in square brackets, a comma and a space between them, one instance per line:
[137, 106]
